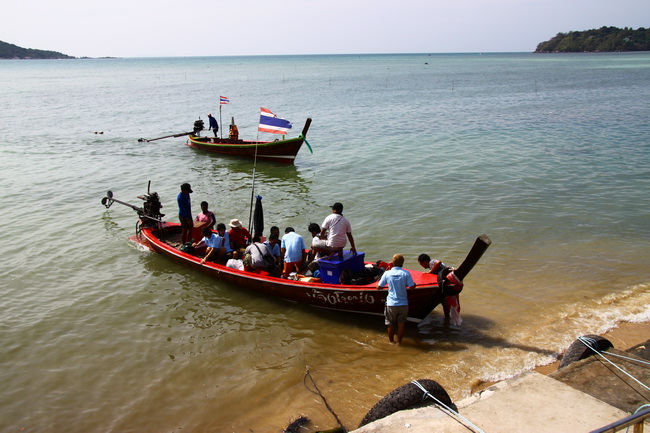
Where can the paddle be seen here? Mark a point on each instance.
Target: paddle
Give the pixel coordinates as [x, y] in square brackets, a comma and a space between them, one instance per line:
[141, 140]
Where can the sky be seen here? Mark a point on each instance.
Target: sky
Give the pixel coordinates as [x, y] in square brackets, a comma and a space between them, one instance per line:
[164, 28]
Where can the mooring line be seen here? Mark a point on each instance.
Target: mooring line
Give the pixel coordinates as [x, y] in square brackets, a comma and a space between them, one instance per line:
[628, 358]
[449, 411]
[591, 343]
[308, 374]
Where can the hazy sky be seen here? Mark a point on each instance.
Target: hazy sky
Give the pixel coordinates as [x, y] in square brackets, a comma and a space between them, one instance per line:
[148, 28]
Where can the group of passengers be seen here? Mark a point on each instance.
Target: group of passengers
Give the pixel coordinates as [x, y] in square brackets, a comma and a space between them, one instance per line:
[285, 256]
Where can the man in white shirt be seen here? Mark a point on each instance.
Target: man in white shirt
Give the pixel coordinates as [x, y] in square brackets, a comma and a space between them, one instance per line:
[338, 230]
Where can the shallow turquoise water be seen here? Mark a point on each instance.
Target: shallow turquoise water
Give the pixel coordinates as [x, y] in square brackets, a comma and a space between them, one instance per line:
[547, 154]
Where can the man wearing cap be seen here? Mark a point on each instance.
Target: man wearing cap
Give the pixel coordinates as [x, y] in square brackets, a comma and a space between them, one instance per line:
[239, 235]
[185, 212]
[338, 231]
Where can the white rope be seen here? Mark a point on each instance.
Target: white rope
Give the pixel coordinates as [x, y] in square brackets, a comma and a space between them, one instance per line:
[628, 358]
[446, 408]
[592, 344]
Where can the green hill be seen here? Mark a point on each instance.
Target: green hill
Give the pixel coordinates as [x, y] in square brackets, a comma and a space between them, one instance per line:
[10, 51]
[598, 40]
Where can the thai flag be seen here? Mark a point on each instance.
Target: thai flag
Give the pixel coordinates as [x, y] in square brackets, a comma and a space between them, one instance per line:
[269, 122]
[223, 100]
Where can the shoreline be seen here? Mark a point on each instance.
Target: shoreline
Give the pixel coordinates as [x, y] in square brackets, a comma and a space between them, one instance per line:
[533, 386]
[623, 336]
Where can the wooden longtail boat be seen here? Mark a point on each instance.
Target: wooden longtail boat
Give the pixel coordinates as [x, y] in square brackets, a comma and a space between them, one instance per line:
[164, 238]
[278, 150]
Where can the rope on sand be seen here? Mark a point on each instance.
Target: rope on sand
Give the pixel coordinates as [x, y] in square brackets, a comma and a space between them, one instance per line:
[308, 374]
[446, 409]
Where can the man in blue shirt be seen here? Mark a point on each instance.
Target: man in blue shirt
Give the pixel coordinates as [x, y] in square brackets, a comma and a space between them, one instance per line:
[218, 244]
[213, 124]
[292, 250]
[185, 212]
[397, 304]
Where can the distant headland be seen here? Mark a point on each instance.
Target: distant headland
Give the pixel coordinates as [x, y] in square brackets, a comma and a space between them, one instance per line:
[10, 51]
[604, 39]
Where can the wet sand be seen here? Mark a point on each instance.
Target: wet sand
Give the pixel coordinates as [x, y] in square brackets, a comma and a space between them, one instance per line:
[624, 336]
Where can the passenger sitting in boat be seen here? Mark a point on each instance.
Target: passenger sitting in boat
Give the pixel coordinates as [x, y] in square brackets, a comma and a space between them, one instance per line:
[433, 267]
[239, 235]
[314, 269]
[293, 251]
[226, 252]
[273, 243]
[258, 257]
[337, 228]
[315, 253]
[212, 241]
[206, 216]
[235, 262]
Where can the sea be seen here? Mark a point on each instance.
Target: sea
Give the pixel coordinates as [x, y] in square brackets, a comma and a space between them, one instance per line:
[546, 154]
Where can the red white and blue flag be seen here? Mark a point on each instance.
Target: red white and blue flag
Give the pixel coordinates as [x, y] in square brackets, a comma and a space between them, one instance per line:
[269, 122]
[224, 100]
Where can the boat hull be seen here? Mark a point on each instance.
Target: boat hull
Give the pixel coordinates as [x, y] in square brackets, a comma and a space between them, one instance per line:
[365, 299]
[281, 150]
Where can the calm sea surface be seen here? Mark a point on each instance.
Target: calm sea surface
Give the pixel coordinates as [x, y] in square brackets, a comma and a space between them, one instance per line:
[549, 155]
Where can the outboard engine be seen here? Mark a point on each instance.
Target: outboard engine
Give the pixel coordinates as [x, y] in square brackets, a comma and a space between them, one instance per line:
[198, 126]
[152, 206]
[149, 213]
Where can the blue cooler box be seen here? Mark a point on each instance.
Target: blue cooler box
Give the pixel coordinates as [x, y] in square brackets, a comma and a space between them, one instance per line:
[330, 270]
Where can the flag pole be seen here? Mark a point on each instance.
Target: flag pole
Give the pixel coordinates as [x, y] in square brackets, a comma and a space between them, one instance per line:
[250, 215]
[220, 121]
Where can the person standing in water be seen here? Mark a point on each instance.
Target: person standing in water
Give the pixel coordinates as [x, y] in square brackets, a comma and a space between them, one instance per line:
[396, 311]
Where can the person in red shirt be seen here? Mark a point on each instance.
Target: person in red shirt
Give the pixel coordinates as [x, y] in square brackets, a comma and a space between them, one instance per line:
[239, 235]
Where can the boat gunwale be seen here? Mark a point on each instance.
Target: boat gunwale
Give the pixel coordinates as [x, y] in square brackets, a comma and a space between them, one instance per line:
[153, 240]
[243, 144]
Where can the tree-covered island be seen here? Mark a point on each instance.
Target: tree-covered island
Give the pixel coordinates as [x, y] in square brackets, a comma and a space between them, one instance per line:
[604, 39]
[10, 51]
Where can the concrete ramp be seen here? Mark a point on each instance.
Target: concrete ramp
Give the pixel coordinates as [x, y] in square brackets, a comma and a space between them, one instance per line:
[529, 403]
